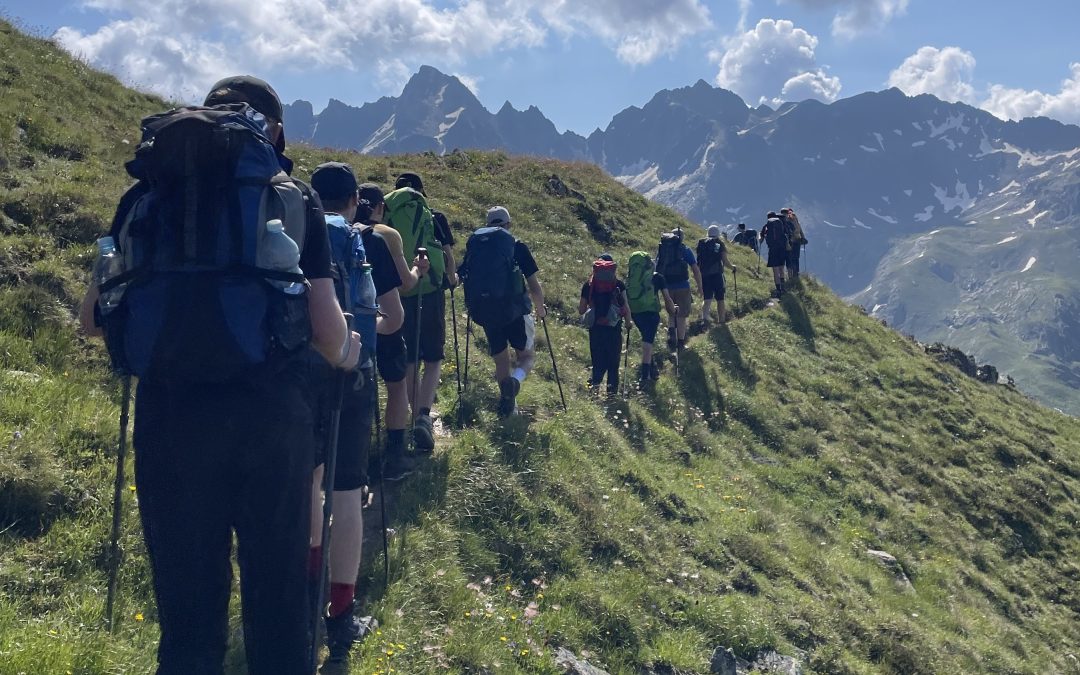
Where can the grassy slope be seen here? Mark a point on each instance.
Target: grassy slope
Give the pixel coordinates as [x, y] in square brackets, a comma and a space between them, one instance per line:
[731, 506]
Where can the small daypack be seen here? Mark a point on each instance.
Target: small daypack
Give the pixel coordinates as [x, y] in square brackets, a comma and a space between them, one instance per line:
[778, 234]
[494, 286]
[605, 302]
[640, 291]
[352, 280]
[408, 213]
[196, 306]
[710, 255]
[669, 259]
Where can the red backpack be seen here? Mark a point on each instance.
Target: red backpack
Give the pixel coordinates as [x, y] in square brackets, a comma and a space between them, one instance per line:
[605, 301]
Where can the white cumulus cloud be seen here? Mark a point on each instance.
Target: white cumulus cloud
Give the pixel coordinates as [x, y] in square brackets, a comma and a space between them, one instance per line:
[855, 17]
[179, 47]
[946, 73]
[772, 63]
[1016, 104]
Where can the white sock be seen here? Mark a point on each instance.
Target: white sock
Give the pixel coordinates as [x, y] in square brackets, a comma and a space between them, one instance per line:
[519, 374]
[705, 309]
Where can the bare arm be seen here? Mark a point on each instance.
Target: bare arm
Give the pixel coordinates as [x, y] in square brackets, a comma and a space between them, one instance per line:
[86, 312]
[328, 328]
[726, 262]
[669, 304]
[451, 265]
[583, 305]
[391, 313]
[409, 276]
[697, 278]
[536, 292]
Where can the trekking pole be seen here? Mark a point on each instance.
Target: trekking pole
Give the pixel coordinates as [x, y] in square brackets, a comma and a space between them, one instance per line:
[329, 472]
[554, 366]
[626, 359]
[735, 279]
[415, 402]
[465, 384]
[457, 353]
[117, 514]
[382, 483]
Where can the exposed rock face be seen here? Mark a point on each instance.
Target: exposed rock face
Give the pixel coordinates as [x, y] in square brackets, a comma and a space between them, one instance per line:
[890, 563]
[572, 665]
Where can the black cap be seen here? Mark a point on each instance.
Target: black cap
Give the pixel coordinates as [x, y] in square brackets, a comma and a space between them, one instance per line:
[607, 257]
[742, 226]
[246, 89]
[771, 214]
[334, 181]
[370, 195]
[410, 180]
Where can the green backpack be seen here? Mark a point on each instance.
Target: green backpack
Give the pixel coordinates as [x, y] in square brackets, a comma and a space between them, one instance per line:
[639, 286]
[408, 213]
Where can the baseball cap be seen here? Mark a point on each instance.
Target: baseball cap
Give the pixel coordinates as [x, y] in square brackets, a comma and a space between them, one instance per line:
[606, 256]
[498, 215]
[246, 89]
[714, 231]
[333, 181]
[370, 194]
[410, 180]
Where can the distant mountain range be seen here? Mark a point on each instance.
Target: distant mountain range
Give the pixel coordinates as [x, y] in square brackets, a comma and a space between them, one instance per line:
[938, 217]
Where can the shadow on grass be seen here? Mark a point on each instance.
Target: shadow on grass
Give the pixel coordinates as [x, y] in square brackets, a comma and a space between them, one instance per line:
[731, 355]
[699, 388]
[800, 320]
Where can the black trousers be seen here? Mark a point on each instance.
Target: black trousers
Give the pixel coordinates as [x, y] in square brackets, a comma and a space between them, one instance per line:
[605, 348]
[211, 460]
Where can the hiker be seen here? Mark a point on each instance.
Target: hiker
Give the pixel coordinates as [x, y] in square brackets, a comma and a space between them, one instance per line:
[712, 259]
[747, 237]
[675, 261]
[372, 297]
[223, 426]
[644, 285]
[390, 351]
[798, 240]
[602, 307]
[425, 306]
[775, 233]
[502, 294]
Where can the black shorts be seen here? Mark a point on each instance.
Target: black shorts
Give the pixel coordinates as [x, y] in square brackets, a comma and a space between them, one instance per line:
[354, 432]
[432, 327]
[390, 357]
[519, 334]
[648, 323]
[777, 256]
[712, 286]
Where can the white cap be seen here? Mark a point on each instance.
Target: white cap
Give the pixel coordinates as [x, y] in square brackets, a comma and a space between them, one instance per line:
[714, 231]
[498, 215]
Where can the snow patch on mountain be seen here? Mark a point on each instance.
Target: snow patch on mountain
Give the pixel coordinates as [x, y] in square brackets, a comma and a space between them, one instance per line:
[861, 224]
[839, 227]
[1006, 240]
[918, 144]
[1029, 265]
[880, 140]
[909, 192]
[842, 161]
[447, 126]
[960, 199]
[381, 135]
[887, 219]
[868, 148]
[1029, 207]
[1032, 221]
[926, 214]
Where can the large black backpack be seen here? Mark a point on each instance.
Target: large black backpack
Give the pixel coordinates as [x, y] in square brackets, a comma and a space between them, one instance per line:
[494, 286]
[778, 234]
[710, 255]
[196, 306]
[669, 259]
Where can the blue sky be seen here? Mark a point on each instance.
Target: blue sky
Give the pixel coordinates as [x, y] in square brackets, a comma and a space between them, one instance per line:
[582, 61]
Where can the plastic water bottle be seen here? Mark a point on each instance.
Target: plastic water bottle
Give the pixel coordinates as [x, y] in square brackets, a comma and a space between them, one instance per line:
[109, 264]
[279, 252]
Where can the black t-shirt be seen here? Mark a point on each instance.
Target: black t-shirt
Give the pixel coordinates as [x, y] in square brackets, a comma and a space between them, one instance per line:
[658, 282]
[443, 233]
[384, 273]
[524, 259]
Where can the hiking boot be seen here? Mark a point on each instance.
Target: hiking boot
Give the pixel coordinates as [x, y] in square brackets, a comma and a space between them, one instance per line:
[423, 433]
[398, 467]
[508, 391]
[343, 631]
[644, 372]
[655, 370]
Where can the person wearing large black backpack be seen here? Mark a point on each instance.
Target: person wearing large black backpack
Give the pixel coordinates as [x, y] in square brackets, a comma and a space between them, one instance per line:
[226, 279]
[712, 259]
[675, 262]
[367, 282]
[798, 241]
[777, 234]
[502, 294]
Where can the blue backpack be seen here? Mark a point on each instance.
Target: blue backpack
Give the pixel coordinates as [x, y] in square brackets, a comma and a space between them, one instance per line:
[195, 303]
[352, 280]
[494, 286]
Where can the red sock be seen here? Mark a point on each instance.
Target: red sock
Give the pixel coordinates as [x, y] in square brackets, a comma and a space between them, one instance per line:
[341, 597]
[314, 562]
